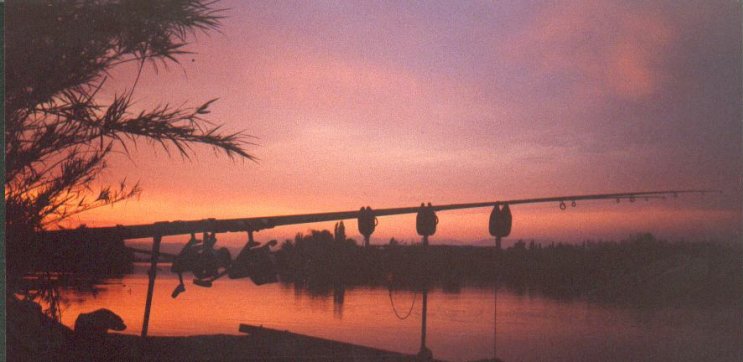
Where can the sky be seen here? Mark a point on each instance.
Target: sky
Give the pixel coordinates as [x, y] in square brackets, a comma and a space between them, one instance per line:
[391, 104]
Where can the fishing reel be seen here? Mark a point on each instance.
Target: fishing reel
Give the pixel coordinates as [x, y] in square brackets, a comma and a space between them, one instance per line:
[200, 258]
[255, 261]
[207, 264]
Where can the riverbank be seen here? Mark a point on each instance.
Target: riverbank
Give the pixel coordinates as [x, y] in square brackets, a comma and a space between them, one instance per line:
[33, 336]
[220, 347]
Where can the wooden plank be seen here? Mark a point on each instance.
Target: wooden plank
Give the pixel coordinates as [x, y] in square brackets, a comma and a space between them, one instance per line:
[285, 344]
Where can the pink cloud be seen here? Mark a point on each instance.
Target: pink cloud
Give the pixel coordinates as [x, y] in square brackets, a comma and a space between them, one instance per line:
[599, 48]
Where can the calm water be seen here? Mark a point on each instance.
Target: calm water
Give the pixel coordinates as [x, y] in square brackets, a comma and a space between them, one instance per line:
[460, 326]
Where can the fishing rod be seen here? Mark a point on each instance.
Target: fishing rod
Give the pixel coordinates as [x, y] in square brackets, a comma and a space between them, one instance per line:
[252, 224]
[256, 261]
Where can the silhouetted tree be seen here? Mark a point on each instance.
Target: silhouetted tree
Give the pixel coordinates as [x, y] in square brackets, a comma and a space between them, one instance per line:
[59, 131]
[340, 232]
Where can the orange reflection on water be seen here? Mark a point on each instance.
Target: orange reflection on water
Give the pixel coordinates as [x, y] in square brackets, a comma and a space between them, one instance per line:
[460, 325]
[365, 317]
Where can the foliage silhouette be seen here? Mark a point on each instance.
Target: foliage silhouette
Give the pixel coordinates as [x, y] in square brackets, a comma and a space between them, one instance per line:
[60, 131]
[640, 269]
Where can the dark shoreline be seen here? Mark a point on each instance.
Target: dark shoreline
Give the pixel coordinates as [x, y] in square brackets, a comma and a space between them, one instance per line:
[33, 336]
[640, 270]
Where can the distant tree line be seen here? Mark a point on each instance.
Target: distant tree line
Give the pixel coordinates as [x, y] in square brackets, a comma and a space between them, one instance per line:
[640, 268]
[93, 258]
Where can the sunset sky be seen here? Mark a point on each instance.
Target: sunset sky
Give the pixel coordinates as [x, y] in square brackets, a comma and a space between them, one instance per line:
[390, 104]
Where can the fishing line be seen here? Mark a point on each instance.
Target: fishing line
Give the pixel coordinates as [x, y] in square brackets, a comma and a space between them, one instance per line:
[495, 319]
[410, 311]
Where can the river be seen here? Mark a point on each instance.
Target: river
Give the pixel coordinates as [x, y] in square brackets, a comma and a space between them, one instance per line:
[460, 325]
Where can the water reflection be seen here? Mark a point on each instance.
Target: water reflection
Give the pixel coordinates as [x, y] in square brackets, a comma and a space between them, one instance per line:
[460, 325]
[339, 295]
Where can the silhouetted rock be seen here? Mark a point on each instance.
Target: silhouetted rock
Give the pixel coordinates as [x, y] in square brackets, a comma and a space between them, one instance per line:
[91, 330]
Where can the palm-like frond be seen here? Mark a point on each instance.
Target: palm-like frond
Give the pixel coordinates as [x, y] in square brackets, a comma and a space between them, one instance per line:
[59, 133]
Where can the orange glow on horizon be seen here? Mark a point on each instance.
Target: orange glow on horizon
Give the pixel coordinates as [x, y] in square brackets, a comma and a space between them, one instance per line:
[565, 98]
[597, 220]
